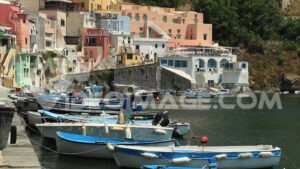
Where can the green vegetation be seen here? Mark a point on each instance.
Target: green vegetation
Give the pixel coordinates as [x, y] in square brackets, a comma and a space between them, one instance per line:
[50, 64]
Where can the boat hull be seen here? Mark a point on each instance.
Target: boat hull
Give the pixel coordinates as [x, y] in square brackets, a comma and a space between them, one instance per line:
[6, 116]
[138, 132]
[94, 150]
[34, 118]
[134, 159]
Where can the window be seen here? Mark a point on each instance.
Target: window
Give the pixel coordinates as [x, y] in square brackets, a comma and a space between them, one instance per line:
[212, 63]
[244, 66]
[195, 21]
[150, 35]
[129, 40]
[163, 45]
[133, 33]
[174, 20]
[170, 35]
[163, 61]
[136, 58]
[137, 18]
[180, 63]
[165, 19]
[156, 45]
[129, 15]
[91, 54]
[191, 36]
[183, 21]
[115, 25]
[141, 35]
[205, 36]
[178, 36]
[224, 63]
[122, 25]
[129, 56]
[82, 4]
[86, 60]
[171, 50]
[137, 47]
[26, 41]
[62, 22]
[170, 62]
[145, 18]
[201, 63]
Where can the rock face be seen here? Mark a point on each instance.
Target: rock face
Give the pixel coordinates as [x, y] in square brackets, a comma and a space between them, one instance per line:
[291, 82]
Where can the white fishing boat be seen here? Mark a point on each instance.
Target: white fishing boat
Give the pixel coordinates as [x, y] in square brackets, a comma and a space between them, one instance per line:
[120, 131]
[228, 157]
[96, 147]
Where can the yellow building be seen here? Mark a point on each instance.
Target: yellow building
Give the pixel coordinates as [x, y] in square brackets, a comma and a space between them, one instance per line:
[130, 58]
[93, 5]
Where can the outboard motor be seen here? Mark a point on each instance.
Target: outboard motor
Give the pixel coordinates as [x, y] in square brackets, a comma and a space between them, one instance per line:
[161, 119]
[176, 133]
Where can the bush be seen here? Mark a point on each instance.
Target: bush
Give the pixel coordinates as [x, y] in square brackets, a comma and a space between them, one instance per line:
[281, 59]
[298, 52]
[256, 45]
[79, 48]
[290, 45]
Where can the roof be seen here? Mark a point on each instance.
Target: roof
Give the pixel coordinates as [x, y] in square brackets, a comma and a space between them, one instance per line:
[4, 2]
[65, 1]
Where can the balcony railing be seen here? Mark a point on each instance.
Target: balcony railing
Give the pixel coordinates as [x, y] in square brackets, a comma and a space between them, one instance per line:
[208, 70]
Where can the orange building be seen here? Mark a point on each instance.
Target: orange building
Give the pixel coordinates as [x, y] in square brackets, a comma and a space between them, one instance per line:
[183, 28]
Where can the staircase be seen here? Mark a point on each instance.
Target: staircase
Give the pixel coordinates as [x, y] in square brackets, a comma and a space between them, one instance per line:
[157, 29]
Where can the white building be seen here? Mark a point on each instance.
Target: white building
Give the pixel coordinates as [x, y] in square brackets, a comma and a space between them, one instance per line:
[205, 66]
[151, 48]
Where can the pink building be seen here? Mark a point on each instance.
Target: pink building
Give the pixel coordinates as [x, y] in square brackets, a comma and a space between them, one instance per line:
[95, 46]
[183, 28]
[11, 16]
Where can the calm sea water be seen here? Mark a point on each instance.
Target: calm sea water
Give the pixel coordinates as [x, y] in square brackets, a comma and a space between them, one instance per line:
[222, 127]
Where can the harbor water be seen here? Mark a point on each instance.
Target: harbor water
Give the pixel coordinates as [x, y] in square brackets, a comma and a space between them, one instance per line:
[278, 127]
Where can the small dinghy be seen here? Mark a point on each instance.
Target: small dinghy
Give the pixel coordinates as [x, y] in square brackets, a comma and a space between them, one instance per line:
[212, 165]
[228, 157]
[108, 130]
[96, 147]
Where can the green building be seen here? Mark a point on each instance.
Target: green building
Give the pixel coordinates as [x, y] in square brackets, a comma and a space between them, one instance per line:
[22, 75]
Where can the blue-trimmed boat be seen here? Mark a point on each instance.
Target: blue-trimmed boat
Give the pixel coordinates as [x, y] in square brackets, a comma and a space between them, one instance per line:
[212, 165]
[96, 147]
[228, 157]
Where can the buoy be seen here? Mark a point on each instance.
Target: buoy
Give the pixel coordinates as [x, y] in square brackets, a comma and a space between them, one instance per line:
[83, 129]
[181, 160]
[265, 154]
[157, 99]
[128, 133]
[220, 156]
[245, 155]
[149, 155]
[204, 139]
[110, 147]
[106, 128]
[159, 131]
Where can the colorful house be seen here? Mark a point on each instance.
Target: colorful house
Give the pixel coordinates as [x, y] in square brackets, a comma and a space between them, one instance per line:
[129, 59]
[11, 16]
[23, 76]
[92, 5]
[95, 46]
[113, 22]
[183, 28]
[7, 58]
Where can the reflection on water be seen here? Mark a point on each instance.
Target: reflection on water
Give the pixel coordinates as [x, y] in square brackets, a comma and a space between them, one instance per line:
[222, 127]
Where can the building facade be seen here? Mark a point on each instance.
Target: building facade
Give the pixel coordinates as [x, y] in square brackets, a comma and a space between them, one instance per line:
[12, 16]
[113, 22]
[92, 5]
[95, 46]
[23, 75]
[205, 66]
[183, 28]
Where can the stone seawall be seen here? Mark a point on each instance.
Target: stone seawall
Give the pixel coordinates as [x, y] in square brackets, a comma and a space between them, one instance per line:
[150, 76]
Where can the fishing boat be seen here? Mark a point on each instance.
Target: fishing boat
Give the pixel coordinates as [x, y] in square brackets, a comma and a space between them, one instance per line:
[228, 157]
[46, 116]
[120, 131]
[199, 94]
[96, 147]
[6, 116]
[212, 165]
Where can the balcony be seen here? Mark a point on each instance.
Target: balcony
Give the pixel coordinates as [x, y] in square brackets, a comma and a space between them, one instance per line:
[207, 70]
